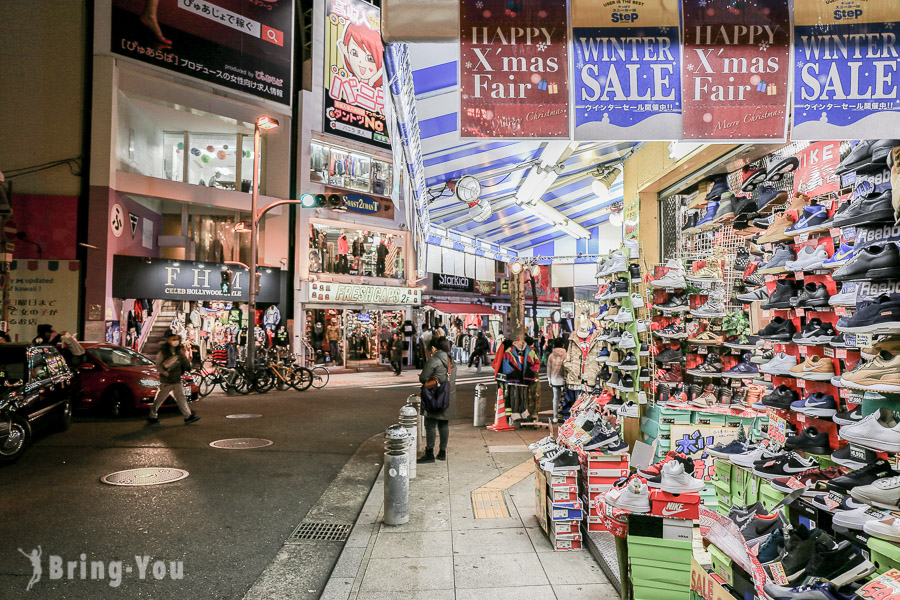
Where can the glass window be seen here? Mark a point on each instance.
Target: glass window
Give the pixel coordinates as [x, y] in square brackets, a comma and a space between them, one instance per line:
[212, 160]
[319, 160]
[349, 170]
[12, 365]
[120, 357]
[247, 162]
[216, 240]
[383, 178]
[173, 155]
[356, 252]
[38, 370]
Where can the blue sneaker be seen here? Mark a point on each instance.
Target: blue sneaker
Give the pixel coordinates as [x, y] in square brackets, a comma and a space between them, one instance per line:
[841, 256]
[768, 196]
[817, 591]
[602, 436]
[816, 405]
[730, 449]
[707, 220]
[770, 550]
[743, 370]
[603, 355]
[811, 220]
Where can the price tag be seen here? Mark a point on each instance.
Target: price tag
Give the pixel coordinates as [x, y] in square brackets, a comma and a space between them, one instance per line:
[884, 587]
[829, 352]
[835, 232]
[798, 275]
[767, 313]
[767, 344]
[767, 377]
[845, 393]
[799, 239]
[670, 290]
[850, 340]
[801, 383]
[702, 350]
[840, 310]
[840, 352]
[777, 427]
[776, 573]
[863, 340]
[767, 247]
[804, 350]
[770, 278]
[801, 312]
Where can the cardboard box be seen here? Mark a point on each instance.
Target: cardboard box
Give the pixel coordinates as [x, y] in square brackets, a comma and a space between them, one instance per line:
[721, 564]
[540, 499]
[605, 466]
[566, 511]
[675, 506]
[564, 527]
[563, 494]
[595, 523]
[566, 541]
[673, 551]
[678, 529]
[567, 478]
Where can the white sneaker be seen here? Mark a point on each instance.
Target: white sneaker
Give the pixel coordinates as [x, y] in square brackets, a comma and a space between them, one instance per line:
[846, 297]
[634, 497]
[627, 340]
[618, 262]
[747, 459]
[629, 409]
[602, 265]
[877, 431]
[885, 529]
[641, 326]
[633, 248]
[672, 279]
[808, 259]
[857, 518]
[674, 480]
[781, 364]
[637, 301]
[625, 315]
[884, 493]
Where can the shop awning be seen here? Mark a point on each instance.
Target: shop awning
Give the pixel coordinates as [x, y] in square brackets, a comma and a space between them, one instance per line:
[458, 308]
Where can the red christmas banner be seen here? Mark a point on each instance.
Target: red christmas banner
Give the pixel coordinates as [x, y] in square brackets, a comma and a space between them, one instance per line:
[513, 69]
[736, 69]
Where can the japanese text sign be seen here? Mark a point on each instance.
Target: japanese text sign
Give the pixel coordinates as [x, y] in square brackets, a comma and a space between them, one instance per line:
[694, 440]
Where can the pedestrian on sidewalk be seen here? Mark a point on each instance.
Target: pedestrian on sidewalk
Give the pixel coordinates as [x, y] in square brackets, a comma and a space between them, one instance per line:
[172, 362]
[441, 367]
[531, 376]
[556, 373]
[397, 354]
[480, 352]
[499, 376]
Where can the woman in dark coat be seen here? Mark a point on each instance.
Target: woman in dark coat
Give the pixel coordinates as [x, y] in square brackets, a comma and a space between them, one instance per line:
[441, 366]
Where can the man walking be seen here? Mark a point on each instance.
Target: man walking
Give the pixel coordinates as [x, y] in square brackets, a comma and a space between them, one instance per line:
[397, 354]
[172, 363]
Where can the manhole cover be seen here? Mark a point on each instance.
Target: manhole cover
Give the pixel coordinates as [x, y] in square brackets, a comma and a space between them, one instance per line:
[243, 416]
[241, 443]
[146, 476]
[325, 532]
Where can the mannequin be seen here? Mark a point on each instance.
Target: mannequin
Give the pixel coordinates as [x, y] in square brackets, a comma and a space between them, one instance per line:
[581, 366]
[343, 249]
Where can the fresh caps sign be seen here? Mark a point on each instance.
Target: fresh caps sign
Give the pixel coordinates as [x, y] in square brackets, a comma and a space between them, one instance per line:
[349, 293]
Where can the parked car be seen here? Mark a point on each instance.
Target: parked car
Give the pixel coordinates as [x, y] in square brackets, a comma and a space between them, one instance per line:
[35, 392]
[119, 380]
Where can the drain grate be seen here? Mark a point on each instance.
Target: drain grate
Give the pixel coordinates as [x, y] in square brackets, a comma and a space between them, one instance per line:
[145, 476]
[241, 443]
[243, 416]
[322, 532]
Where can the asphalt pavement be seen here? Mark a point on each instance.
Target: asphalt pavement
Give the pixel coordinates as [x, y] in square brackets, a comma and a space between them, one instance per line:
[227, 521]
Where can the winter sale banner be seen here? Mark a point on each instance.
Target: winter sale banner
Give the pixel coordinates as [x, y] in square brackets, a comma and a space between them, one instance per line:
[627, 75]
[735, 72]
[354, 72]
[513, 69]
[846, 70]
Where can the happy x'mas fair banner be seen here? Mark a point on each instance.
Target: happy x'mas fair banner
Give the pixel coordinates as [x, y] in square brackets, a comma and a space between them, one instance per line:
[736, 69]
[513, 69]
[627, 73]
[846, 76]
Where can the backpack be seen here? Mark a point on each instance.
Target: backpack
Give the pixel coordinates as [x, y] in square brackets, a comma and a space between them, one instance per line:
[436, 398]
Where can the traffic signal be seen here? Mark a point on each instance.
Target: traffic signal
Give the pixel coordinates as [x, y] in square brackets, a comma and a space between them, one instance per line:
[332, 201]
[227, 278]
[335, 201]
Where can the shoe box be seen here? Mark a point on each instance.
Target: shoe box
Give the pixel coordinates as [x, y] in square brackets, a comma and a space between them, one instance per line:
[883, 554]
[721, 564]
[660, 568]
[675, 506]
[566, 542]
[600, 471]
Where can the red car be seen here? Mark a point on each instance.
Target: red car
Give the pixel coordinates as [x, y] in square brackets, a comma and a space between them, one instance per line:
[119, 380]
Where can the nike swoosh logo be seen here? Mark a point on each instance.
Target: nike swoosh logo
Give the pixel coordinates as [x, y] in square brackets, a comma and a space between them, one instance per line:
[796, 469]
[666, 512]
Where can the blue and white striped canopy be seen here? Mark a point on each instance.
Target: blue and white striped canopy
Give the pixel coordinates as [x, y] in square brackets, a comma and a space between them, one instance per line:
[446, 157]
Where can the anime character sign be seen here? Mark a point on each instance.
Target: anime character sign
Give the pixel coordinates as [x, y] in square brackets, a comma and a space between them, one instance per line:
[354, 72]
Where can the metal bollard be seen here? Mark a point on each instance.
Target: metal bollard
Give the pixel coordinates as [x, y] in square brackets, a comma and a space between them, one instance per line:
[396, 475]
[409, 418]
[416, 402]
[480, 405]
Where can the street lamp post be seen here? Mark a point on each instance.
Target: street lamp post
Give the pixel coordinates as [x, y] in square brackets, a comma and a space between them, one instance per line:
[264, 123]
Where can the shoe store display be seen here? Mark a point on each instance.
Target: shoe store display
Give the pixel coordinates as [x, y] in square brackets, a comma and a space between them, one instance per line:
[760, 526]
[813, 295]
[760, 453]
[713, 307]
[673, 331]
[814, 219]
[840, 565]
[674, 278]
[784, 254]
[675, 304]
[782, 397]
[778, 329]
[877, 207]
[670, 355]
[809, 481]
[757, 295]
[871, 263]
[808, 259]
[840, 257]
[784, 296]
[814, 368]
[781, 364]
[816, 404]
[786, 465]
[673, 479]
[633, 497]
[814, 333]
[883, 493]
[811, 441]
[878, 469]
[887, 528]
[878, 431]
[853, 457]
[743, 370]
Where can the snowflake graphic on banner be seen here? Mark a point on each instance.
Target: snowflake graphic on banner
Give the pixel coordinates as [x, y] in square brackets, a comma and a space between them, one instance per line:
[541, 46]
[800, 64]
[889, 25]
[579, 64]
[479, 4]
[468, 65]
[764, 46]
[664, 29]
[690, 67]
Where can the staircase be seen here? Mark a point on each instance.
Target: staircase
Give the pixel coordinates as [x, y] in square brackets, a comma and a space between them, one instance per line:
[157, 334]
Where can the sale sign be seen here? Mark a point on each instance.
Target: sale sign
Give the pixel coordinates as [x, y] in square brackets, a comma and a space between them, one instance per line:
[846, 79]
[815, 175]
[513, 69]
[627, 77]
[884, 587]
[736, 68]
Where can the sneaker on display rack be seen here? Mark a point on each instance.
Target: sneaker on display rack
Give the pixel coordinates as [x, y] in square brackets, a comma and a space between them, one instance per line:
[712, 271]
[840, 565]
[713, 307]
[780, 365]
[633, 248]
[883, 493]
[878, 431]
[813, 295]
[672, 331]
[673, 278]
[887, 528]
[849, 417]
[626, 341]
[654, 469]
[726, 451]
[808, 480]
[617, 263]
[787, 465]
[633, 496]
[760, 526]
[740, 515]
[559, 459]
[799, 549]
[840, 257]
[853, 457]
[629, 409]
[743, 370]
[676, 303]
[757, 295]
[878, 469]
[822, 590]
[759, 453]
[637, 301]
[856, 518]
[817, 404]
[673, 478]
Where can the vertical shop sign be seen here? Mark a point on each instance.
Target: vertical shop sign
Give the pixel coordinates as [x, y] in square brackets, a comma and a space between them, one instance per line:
[736, 69]
[846, 70]
[815, 175]
[513, 69]
[40, 291]
[354, 72]
[627, 76]
[631, 217]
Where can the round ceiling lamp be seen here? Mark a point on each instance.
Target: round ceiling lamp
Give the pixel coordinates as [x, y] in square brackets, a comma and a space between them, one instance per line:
[480, 211]
[616, 218]
[466, 189]
[516, 268]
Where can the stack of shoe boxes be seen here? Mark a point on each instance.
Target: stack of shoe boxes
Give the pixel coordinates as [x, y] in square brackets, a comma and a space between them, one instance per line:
[559, 509]
[599, 472]
[660, 568]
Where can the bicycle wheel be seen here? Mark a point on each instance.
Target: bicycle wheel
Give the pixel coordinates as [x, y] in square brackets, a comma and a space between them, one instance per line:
[263, 382]
[287, 380]
[208, 384]
[240, 384]
[304, 378]
[320, 377]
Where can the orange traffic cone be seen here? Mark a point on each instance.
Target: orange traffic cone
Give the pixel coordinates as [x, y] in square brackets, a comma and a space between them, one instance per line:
[500, 422]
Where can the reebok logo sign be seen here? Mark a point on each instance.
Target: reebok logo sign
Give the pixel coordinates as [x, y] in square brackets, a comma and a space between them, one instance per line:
[672, 508]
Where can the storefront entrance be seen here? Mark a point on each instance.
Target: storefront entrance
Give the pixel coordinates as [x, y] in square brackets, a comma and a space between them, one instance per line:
[351, 337]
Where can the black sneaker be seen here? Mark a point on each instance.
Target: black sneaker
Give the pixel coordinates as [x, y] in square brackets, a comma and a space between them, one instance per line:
[741, 260]
[644, 375]
[849, 417]
[799, 549]
[761, 525]
[677, 303]
[840, 565]
[787, 465]
[868, 210]
[560, 459]
[742, 514]
[153, 421]
[691, 222]
[813, 295]
[811, 441]
[644, 349]
[629, 363]
[854, 457]
[635, 270]
[755, 279]
[838, 341]
[872, 262]
[815, 332]
[626, 383]
[878, 316]
[868, 474]
[783, 296]
[604, 374]
[779, 329]
[781, 398]
[670, 355]
[192, 419]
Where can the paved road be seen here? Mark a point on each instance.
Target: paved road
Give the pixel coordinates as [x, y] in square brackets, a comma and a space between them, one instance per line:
[226, 521]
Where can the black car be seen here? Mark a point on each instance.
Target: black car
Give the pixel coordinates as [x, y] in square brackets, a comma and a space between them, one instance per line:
[35, 392]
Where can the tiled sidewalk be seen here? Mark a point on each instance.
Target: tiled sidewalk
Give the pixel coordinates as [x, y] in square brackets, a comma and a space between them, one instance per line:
[444, 553]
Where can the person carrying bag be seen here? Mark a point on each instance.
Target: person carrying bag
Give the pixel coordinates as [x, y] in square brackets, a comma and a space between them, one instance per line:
[437, 394]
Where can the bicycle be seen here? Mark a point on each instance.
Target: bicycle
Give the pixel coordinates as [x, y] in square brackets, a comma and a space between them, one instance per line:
[220, 375]
[320, 376]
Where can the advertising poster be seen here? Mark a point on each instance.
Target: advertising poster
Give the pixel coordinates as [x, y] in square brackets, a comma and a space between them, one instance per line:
[693, 440]
[846, 70]
[627, 76]
[41, 292]
[513, 69]
[704, 586]
[545, 291]
[815, 175]
[631, 217]
[245, 45]
[354, 72]
[736, 69]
